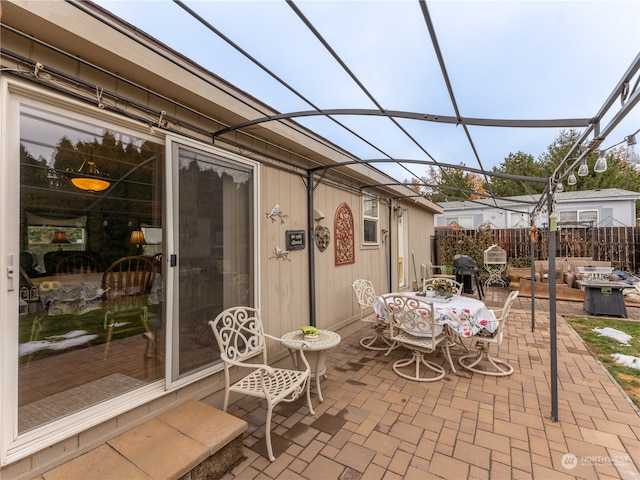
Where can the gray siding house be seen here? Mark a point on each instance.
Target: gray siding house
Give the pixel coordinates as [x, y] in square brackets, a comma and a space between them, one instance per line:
[610, 207]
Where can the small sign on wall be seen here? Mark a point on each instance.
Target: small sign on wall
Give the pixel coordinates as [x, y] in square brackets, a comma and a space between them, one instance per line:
[294, 239]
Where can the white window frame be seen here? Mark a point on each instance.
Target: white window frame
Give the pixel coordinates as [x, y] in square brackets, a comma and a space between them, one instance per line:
[464, 221]
[371, 218]
[578, 215]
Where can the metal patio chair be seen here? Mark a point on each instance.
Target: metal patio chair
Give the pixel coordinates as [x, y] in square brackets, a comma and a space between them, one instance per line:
[240, 337]
[483, 362]
[366, 295]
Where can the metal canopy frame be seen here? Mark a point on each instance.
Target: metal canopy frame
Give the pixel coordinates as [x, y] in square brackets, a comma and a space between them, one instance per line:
[626, 91]
[629, 98]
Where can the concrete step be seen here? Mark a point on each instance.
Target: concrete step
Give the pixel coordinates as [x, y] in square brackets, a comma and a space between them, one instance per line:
[192, 441]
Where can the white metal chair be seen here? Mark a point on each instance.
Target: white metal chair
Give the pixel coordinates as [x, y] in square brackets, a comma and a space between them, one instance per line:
[431, 283]
[436, 271]
[240, 337]
[482, 361]
[413, 326]
[366, 295]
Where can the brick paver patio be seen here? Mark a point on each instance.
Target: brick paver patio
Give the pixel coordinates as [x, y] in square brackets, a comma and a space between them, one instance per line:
[374, 424]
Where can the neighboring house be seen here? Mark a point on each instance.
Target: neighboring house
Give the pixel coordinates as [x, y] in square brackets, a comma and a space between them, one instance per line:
[610, 207]
[242, 219]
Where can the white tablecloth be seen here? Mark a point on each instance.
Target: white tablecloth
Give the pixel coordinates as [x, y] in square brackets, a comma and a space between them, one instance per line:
[466, 316]
[78, 294]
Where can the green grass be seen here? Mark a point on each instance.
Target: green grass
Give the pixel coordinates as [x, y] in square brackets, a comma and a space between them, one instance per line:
[602, 347]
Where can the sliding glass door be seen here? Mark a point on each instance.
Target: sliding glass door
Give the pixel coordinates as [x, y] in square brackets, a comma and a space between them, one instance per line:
[214, 232]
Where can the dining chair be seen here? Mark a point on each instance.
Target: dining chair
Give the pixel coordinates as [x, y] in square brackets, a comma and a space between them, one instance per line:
[79, 263]
[413, 325]
[428, 284]
[437, 271]
[127, 285]
[240, 336]
[483, 362]
[366, 295]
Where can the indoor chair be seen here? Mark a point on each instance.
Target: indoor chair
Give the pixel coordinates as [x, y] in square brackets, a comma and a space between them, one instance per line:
[127, 284]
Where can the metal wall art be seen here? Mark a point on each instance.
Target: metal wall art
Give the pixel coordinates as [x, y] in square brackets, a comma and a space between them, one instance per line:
[345, 238]
[276, 212]
[323, 237]
[279, 253]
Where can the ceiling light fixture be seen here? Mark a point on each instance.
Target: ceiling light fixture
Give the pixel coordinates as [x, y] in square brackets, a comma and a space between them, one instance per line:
[90, 180]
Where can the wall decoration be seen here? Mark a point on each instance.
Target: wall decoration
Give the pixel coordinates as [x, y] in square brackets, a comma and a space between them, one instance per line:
[323, 237]
[345, 237]
[279, 253]
[276, 212]
[294, 239]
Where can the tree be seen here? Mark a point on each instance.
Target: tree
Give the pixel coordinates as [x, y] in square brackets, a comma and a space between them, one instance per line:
[445, 183]
[619, 173]
[522, 164]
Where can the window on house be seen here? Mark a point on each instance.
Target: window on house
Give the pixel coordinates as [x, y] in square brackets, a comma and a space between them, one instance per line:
[371, 219]
[588, 216]
[577, 216]
[462, 222]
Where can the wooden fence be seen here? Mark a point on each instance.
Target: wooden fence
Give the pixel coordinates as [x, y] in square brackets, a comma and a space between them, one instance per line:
[619, 245]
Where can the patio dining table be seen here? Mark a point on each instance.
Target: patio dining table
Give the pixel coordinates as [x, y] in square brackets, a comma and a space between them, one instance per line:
[465, 316]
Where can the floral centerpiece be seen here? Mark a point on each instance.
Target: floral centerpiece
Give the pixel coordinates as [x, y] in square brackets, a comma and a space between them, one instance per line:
[49, 286]
[443, 288]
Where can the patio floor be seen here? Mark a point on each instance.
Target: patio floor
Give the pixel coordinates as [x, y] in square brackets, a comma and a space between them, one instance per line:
[374, 424]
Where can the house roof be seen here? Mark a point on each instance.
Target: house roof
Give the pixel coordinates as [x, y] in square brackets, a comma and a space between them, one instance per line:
[525, 202]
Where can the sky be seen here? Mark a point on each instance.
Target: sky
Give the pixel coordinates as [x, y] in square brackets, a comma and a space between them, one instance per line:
[505, 60]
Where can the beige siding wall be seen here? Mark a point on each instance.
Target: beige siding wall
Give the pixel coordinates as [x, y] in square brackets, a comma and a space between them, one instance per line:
[283, 284]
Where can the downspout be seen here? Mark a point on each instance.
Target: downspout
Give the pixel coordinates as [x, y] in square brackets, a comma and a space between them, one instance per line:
[312, 253]
[390, 256]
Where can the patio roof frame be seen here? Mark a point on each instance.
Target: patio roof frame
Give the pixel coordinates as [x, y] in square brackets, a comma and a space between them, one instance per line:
[629, 101]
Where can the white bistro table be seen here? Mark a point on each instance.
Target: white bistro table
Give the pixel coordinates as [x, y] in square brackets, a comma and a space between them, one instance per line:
[316, 353]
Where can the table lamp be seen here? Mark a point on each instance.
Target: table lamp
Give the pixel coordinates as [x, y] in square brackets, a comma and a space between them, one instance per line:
[59, 238]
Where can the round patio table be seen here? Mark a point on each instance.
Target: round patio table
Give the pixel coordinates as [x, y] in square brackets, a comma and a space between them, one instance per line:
[315, 354]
